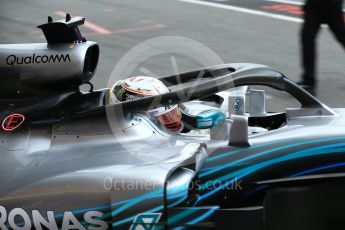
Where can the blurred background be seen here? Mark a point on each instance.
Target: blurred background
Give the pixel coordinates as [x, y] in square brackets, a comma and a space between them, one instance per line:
[258, 31]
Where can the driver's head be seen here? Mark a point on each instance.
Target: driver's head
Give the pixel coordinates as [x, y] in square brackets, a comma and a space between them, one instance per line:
[139, 87]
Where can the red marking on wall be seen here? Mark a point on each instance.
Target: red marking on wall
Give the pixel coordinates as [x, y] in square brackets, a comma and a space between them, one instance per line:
[291, 9]
[12, 122]
[92, 26]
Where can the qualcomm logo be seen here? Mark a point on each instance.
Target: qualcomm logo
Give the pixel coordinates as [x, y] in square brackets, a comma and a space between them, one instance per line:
[145, 221]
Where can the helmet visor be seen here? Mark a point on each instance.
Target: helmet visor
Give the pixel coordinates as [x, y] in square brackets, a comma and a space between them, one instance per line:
[171, 119]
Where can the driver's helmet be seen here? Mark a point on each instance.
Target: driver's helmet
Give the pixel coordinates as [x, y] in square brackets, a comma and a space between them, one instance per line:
[142, 86]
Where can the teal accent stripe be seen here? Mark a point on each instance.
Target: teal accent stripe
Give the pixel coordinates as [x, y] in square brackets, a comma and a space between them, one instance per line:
[219, 156]
[137, 200]
[248, 170]
[331, 166]
[131, 219]
[267, 152]
[181, 215]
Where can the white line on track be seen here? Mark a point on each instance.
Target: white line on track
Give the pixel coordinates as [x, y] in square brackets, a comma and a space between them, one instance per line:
[244, 10]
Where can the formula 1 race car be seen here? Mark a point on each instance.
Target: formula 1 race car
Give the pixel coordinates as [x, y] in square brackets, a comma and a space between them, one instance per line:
[78, 160]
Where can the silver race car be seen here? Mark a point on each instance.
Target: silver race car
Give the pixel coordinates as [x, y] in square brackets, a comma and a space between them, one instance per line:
[137, 157]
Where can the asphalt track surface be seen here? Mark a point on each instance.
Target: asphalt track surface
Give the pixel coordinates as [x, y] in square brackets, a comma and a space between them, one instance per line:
[257, 31]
